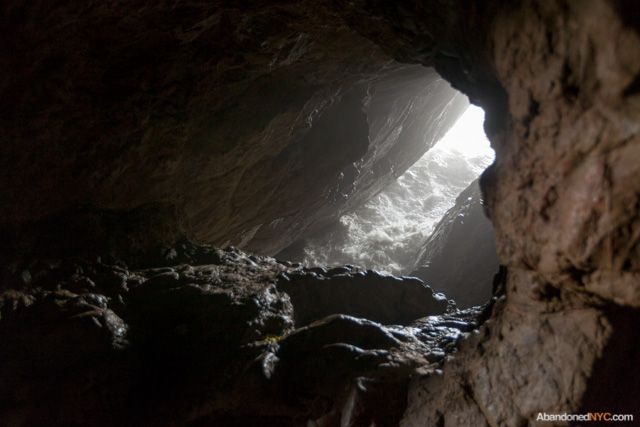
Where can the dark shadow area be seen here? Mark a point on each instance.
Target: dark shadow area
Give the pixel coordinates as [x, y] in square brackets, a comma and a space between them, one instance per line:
[615, 379]
[460, 257]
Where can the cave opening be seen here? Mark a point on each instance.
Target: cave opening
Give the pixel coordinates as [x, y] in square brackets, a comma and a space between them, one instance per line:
[156, 156]
[424, 223]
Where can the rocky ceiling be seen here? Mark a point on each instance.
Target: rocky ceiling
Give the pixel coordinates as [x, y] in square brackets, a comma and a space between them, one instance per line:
[226, 122]
[127, 125]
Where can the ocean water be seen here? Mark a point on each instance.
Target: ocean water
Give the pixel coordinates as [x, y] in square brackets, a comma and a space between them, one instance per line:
[387, 232]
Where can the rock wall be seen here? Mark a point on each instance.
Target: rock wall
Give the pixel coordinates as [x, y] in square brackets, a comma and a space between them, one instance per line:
[225, 123]
[563, 198]
[459, 258]
[175, 109]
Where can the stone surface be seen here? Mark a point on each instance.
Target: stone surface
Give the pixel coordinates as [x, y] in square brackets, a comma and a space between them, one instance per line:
[562, 196]
[459, 258]
[244, 124]
[213, 342]
[138, 123]
[573, 134]
[382, 298]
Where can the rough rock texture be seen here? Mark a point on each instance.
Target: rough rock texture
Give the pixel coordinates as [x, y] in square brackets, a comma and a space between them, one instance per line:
[174, 109]
[229, 123]
[562, 196]
[459, 258]
[374, 296]
[213, 342]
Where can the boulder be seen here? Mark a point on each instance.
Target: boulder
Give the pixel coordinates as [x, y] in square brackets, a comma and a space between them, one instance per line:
[378, 297]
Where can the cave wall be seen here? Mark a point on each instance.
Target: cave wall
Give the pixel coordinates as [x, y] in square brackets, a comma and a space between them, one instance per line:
[243, 124]
[116, 103]
[564, 193]
[563, 198]
[559, 84]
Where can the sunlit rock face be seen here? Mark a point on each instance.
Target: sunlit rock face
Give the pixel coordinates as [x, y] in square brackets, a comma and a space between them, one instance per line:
[559, 83]
[230, 124]
[387, 232]
[459, 258]
[350, 153]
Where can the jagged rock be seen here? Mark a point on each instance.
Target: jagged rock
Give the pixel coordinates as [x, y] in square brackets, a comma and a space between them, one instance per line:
[231, 124]
[141, 122]
[61, 350]
[559, 85]
[381, 298]
[209, 343]
[344, 367]
[341, 362]
[459, 258]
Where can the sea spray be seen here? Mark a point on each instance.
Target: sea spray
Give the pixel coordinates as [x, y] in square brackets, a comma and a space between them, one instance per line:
[387, 232]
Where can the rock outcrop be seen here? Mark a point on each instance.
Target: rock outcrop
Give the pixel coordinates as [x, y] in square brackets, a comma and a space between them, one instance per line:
[382, 298]
[225, 340]
[459, 258]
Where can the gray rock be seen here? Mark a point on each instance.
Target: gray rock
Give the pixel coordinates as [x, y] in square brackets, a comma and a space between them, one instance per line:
[381, 298]
[459, 258]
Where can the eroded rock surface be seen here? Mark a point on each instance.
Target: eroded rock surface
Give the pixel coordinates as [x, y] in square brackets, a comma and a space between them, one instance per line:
[559, 84]
[243, 124]
[382, 298]
[156, 120]
[459, 258]
[218, 341]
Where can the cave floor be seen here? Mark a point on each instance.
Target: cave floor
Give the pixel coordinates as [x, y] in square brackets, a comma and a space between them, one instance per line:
[203, 336]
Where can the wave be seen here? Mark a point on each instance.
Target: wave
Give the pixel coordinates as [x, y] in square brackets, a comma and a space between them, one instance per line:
[387, 232]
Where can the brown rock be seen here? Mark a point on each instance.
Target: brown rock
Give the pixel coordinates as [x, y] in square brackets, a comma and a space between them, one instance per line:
[139, 123]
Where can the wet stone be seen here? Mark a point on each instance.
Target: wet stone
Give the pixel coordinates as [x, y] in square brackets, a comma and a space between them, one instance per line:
[242, 330]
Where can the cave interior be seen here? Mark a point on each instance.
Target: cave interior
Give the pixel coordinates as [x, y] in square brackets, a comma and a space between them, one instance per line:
[164, 165]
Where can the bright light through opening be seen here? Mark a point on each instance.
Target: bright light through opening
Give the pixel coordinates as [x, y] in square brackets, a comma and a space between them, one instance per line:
[465, 137]
[387, 232]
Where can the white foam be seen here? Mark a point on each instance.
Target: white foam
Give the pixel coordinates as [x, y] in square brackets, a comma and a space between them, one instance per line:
[387, 232]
